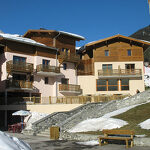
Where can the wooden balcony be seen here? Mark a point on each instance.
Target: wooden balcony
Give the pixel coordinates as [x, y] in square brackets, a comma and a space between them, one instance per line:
[48, 70]
[68, 57]
[134, 73]
[19, 67]
[69, 89]
[19, 85]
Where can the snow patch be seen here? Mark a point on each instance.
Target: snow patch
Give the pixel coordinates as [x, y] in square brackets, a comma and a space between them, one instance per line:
[35, 116]
[145, 124]
[92, 143]
[12, 143]
[147, 76]
[104, 122]
[98, 124]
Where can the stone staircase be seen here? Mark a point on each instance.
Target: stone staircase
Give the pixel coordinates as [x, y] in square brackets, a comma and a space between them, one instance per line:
[66, 120]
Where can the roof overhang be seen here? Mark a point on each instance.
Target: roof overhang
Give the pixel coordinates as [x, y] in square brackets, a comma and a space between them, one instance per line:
[131, 40]
[75, 36]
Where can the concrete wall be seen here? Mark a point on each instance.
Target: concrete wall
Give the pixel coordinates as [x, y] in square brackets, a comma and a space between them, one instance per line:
[41, 108]
[88, 83]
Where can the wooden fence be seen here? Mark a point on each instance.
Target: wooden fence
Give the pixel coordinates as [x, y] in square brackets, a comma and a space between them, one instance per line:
[66, 100]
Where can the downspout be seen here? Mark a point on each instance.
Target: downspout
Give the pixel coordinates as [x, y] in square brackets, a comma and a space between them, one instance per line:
[54, 45]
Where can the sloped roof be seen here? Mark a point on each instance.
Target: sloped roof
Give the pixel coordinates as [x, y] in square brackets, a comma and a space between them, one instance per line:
[17, 38]
[118, 36]
[77, 37]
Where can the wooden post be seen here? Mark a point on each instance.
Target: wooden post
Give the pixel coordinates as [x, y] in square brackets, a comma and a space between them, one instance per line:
[34, 99]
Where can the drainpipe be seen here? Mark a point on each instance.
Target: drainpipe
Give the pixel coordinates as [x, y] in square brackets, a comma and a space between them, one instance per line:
[54, 45]
[56, 78]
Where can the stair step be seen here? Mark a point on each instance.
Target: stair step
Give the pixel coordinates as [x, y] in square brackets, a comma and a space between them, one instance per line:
[45, 135]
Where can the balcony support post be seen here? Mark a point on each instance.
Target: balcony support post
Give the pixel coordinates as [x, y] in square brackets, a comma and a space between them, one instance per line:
[6, 97]
[5, 122]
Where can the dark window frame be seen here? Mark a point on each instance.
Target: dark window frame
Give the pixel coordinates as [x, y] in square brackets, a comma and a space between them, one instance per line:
[64, 81]
[65, 66]
[46, 80]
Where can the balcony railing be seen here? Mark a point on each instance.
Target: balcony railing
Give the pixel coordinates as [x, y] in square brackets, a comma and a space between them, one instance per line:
[19, 67]
[19, 84]
[120, 72]
[48, 68]
[68, 57]
[69, 87]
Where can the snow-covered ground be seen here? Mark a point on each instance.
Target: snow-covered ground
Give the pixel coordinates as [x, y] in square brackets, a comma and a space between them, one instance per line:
[33, 118]
[104, 122]
[12, 143]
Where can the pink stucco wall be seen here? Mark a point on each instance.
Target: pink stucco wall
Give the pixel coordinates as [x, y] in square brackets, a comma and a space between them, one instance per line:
[50, 89]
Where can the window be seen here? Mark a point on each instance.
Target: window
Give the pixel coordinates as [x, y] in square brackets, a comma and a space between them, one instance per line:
[129, 52]
[101, 85]
[64, 81]
[107, 66]
[107, 85]
[113, 85]
[124, 84]
[107, 69]
[62, 49]
[130, 66]
[17, 59]
[45, 62]
[64, 66]
[19, 77]
[106, 52]
[46, 80]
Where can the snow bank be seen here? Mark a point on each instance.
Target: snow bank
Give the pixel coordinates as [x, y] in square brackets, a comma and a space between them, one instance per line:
[145, 124]
[12, 143]
[33, 118]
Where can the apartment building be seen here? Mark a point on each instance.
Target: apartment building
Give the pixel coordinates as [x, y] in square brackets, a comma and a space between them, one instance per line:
[113, 65]
[42, 66]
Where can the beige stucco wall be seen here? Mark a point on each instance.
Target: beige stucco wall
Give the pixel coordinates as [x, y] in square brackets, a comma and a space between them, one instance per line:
[88, 83]
[42, 108]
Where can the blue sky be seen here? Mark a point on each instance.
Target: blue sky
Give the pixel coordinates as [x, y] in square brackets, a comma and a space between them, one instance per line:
[93, 19]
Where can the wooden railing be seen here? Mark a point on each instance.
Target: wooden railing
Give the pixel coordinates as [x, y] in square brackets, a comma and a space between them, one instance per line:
[19, 84]
[48, 68]
[64, 99]
[120, 72]
[71, 57]
[69, 87]
[19, 66]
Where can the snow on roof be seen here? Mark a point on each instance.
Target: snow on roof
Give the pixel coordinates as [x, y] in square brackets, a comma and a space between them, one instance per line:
[16, 37]
[72, 34]
[12, 143]
[77, 48]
